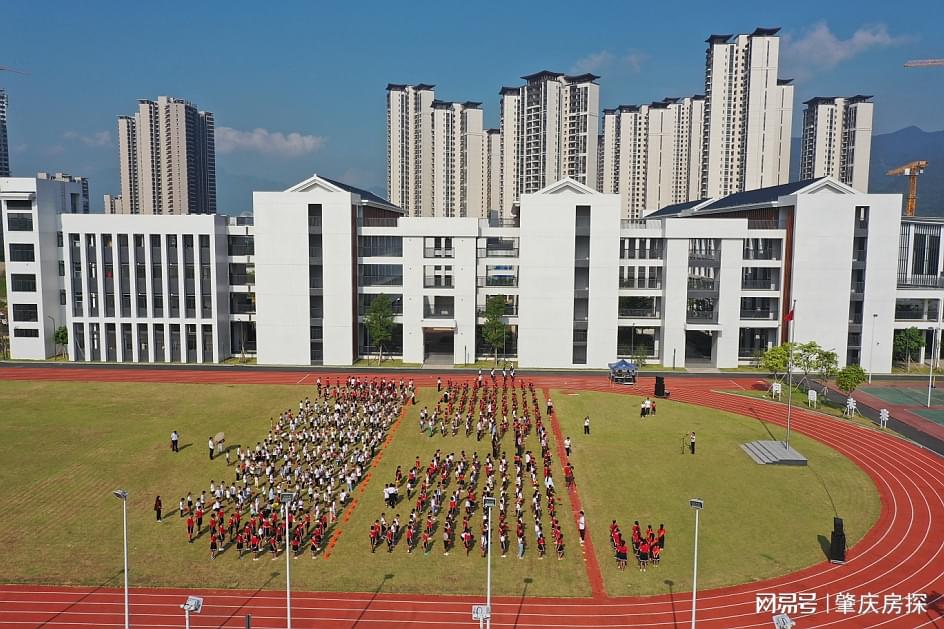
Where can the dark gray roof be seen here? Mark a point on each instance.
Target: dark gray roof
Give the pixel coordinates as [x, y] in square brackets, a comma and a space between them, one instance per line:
[761, 195]
[672, 210]
[364, 194]
[736, 200]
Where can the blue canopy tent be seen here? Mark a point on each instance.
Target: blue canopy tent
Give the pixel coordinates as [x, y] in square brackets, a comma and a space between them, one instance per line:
[623, 372]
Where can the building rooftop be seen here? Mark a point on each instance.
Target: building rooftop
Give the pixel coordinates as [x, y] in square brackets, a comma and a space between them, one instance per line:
[737, 200]
[858, 98]
[365, 195]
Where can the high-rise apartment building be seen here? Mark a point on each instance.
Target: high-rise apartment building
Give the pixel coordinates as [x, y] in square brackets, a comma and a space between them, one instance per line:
[748, 114]
[409, 147]
[549, 129]
[4, 143]
[651, 154]
[435, 153]
[491, 168]
[167, 159]
[837, 139]
[458, 144]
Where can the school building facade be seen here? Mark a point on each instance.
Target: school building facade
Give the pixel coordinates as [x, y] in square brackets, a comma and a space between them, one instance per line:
[704, 283]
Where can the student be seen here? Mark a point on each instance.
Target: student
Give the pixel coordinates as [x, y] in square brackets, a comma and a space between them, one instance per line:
[586, 425]
[158, 506]
[174, 438]
[582, 527]
[622, 553]
[213, 547]
[239, 545]
[643, 554]
[567, 446]
[550, 407]
[180, 508]
[661, 535]
[190, 528]
[656, 553]
[210, 445]
[691, 442]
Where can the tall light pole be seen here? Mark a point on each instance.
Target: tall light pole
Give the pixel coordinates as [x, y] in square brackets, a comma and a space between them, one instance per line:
[934, 332]
[489, 502]
[287, 498]
[696, 504]
[122, 495]
[872, 345]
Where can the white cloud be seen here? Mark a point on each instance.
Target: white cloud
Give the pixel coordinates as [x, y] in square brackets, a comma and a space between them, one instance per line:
[820, 49]
[606, 60]
[101, 138]
[267, 142]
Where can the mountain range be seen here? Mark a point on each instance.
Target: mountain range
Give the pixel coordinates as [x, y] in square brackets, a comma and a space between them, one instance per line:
[890, 150]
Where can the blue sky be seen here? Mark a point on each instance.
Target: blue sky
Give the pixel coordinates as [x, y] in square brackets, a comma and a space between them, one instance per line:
[298, 88]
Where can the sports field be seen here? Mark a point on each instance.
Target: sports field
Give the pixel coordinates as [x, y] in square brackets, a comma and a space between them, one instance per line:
[66, 446]
[758, 521]
[906, 396]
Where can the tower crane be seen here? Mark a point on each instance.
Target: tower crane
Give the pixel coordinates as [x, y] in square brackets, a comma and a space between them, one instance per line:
[9, 69]
[910, 170]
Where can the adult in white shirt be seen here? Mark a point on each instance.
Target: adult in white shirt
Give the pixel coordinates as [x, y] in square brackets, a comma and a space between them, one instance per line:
[210, 445]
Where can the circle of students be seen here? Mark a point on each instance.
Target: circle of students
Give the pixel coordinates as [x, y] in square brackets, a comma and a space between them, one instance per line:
[647, 546]
[319, 454]
[447, 512]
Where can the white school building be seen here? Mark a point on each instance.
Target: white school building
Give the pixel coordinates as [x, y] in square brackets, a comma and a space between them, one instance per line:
[704, 283]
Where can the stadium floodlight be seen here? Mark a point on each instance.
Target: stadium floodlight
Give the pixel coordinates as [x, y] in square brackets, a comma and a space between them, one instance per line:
[287, 497]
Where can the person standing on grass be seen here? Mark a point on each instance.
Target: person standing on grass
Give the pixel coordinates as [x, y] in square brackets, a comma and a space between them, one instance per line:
[180, 508]
[158, 507]
[586, 425]
[550, 407]
[582, 526]
[211, 447]
[174, 438]
[190, 528]
[691, 442]
[567, 446]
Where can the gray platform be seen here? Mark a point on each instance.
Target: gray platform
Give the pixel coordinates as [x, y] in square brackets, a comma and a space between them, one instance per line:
[773, 453]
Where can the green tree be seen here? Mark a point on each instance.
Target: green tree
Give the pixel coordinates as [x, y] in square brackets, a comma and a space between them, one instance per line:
[776, 359]
[494, 329]
[826, 365]
[640, 354]
[379, 322]
[907, 343]
[805, 357]
[61, 338]
[849, 378]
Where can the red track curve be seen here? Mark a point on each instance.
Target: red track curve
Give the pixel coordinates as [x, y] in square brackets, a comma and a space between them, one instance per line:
[903, 553]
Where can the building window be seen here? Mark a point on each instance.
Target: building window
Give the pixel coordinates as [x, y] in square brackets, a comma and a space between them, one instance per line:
[62, 297]
[22, 253]
[22, 282]
[29, 333]
[59, 241]
[62, 268]
[25, 312]
[19, 222]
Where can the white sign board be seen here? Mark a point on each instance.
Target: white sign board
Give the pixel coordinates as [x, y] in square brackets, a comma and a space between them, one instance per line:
[776, 388]
[811, 396]
[782, 621]
[851, 404]
[481, 612]
[194, 604]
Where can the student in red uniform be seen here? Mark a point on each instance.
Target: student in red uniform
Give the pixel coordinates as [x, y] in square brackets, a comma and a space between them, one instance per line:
[542, 546]
[559, 543]
[427, 543]
[410, 533]
[643, 554]
[390, 540]
[655, 552]
[254, 546]
[622, 553]
[213, 546]
[374, 534]
[661, 535]
[296, 544]
[190, 528]
[199, 520]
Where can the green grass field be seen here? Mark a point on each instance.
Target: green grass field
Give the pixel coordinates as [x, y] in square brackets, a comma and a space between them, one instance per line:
[758, 521]
[66, 446]
[907, 396]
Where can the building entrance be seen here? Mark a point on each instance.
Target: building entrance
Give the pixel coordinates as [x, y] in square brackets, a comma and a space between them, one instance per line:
[698, 347]
[438, 346]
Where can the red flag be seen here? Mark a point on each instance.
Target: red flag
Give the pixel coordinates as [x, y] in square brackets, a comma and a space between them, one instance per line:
[789, 316]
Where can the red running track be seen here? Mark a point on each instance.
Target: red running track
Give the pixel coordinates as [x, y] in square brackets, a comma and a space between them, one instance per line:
[902, 554]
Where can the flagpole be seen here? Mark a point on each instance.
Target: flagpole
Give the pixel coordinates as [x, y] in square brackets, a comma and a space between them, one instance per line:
[786, 443]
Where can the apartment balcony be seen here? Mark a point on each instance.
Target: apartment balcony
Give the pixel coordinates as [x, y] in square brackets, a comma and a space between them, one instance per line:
[314, 222]
[858, 255]
[581, 293]
[498, 252]
[439, 313]
[434, 252]
[857, 288]
[704, 256]
[760, 284]
[703, 284]
[314, 253]
[912, 314]
[920, 281]
[651, 283]
[376, 221]
[760, 314]
[438, 281]
[701, 316]
[241, 279]
[643, 253]
[639, 313]
[511, 310]
[760, 254]
[497, 280]
[632, 223]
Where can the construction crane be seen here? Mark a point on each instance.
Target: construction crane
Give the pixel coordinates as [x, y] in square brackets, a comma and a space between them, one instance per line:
[8, 69]
[924, 63]
[910, 170]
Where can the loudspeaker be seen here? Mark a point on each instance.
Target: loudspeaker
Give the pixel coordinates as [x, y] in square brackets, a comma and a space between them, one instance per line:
[837, 525]
[660, 386]
[837, 547]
